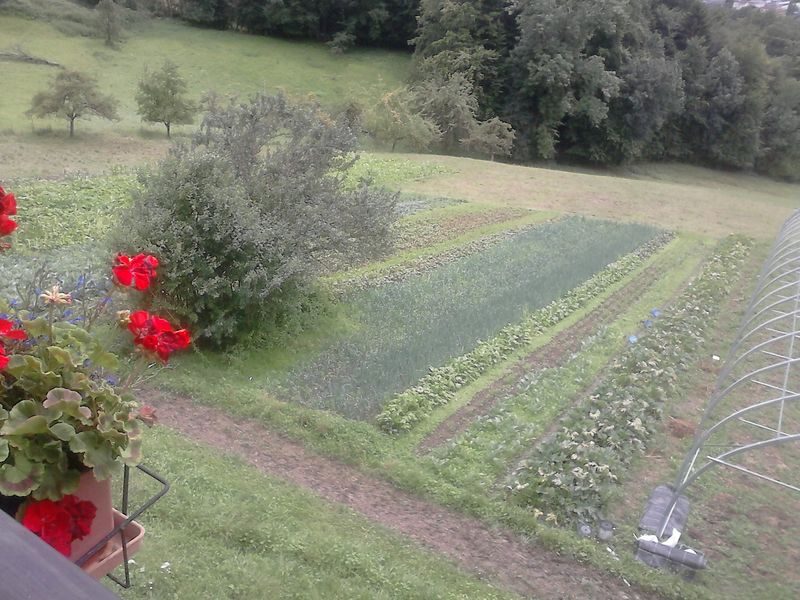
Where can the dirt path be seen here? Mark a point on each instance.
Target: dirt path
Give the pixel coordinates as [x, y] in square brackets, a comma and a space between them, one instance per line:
[552, 354]
[502, 557]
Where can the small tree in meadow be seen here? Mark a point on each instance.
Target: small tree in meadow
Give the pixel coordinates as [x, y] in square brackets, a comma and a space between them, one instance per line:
[490, 138]
[109, 22]
[162, 97]
[73, 95]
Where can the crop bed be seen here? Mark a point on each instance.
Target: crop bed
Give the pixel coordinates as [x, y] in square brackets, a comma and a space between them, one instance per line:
[406, 328]
[572, 473]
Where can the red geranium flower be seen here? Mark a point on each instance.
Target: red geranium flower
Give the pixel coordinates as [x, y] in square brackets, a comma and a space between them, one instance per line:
[82, 513]
[60, 523]
[156, 334]
[7, 226]
[8, 204]
[50, 522]
[8, 332]
[138, 271]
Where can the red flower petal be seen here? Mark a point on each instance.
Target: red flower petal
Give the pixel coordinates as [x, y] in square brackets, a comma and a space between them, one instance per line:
[6, 225]
[8, 204]
[123, 275]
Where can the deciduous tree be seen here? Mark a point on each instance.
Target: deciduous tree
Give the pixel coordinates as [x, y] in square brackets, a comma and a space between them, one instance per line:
[161, 97]
[73, 95]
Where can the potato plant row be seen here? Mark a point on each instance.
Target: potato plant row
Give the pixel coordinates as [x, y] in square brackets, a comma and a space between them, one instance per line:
[572, 473]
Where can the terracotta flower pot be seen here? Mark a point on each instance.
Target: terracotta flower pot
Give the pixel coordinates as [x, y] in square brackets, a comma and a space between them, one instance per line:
[99, 494]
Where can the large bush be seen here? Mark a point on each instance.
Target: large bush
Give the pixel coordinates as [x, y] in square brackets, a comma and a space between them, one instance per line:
[244, 218]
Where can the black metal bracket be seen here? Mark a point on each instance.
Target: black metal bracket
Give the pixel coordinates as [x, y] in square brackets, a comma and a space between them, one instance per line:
[119, 529]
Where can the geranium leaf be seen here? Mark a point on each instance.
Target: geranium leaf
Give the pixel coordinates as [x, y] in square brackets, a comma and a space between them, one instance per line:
[63, 431]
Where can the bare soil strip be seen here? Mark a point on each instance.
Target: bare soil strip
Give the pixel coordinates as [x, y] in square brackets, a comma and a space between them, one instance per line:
[500, 556]
[552, 354]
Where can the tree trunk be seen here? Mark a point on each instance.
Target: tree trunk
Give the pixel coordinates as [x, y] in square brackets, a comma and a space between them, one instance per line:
[394, 143]
[72, 127]
[167, 126]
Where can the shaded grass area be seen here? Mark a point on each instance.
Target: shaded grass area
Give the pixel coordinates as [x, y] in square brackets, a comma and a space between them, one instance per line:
[229, 532]
[404, 328]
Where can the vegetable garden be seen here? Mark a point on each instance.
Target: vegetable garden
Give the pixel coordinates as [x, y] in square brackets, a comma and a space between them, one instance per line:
[513, 366]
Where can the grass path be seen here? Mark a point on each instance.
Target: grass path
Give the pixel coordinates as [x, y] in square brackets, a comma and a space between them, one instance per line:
[503, 557]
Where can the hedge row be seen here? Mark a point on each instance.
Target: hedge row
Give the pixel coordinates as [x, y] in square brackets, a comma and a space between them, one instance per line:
[407, 409]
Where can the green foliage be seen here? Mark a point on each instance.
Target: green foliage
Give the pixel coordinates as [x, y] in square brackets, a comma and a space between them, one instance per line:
[394, 119]
[490, 138]
[368, 22]
[73, 95]
[108, 21]
[54, 214]
[161, 97]
[58, 415]
[572, 473]
[437, 388]
[405, 329]
[243, 220]
[391, 172]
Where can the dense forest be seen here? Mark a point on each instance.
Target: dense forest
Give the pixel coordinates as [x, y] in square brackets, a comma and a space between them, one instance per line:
[606, 81]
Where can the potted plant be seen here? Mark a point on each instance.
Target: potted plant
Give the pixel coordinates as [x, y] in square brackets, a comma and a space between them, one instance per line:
[68, 421]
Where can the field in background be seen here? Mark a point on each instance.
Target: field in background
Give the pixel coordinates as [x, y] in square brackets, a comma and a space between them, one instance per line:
[229, 63]
[680, 197]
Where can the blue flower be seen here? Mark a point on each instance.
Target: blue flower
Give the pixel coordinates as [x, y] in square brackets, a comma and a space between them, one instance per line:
[656, 312]
[632, 339]
[648, 323]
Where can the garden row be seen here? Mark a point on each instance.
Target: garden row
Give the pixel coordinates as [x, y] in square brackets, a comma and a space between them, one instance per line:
[399, 331]
[428, 258]
[439, 386]
[572, 473]
[529, 403]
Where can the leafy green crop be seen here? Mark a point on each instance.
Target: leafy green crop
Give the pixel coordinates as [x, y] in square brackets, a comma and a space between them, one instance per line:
[406, 328]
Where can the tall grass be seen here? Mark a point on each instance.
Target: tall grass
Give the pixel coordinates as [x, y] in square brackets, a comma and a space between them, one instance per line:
[403, 329]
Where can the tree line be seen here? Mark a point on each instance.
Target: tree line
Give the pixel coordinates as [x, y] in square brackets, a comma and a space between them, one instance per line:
[606, 81]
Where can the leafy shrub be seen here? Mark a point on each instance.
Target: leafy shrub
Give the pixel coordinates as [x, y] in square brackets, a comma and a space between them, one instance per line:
[245, 218]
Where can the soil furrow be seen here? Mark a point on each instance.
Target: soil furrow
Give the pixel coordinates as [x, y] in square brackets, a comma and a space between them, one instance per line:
[552, 354]
[500, 556]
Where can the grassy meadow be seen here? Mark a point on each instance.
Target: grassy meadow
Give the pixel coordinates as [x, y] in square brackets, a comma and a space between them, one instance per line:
[480, 247]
